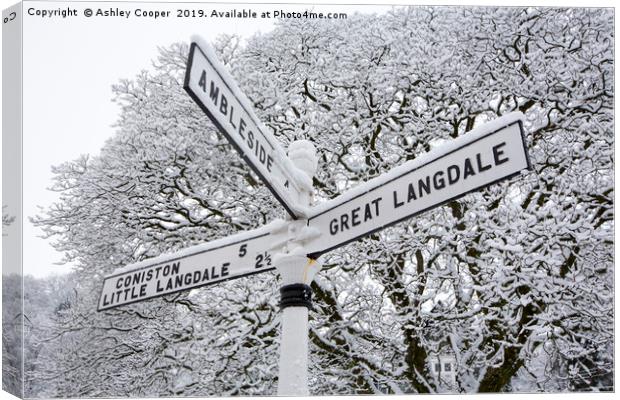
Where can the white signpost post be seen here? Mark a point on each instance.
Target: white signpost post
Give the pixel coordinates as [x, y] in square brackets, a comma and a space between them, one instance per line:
[488, 154]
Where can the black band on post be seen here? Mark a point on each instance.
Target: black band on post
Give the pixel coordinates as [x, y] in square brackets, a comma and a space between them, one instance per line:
[296, 295]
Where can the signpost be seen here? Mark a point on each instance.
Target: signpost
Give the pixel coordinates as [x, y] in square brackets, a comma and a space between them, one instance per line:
[484, 156]
[232, 257]
[216, 92]
[489, 154]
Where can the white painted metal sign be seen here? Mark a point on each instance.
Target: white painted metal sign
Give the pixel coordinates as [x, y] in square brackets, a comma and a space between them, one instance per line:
[232, 257]
[486, 155]
[216, 92]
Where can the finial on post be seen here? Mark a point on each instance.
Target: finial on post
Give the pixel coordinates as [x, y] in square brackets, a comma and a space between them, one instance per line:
[303, 155]
[296, 271]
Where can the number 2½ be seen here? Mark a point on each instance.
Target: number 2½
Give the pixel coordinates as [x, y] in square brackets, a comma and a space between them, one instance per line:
[259, 261]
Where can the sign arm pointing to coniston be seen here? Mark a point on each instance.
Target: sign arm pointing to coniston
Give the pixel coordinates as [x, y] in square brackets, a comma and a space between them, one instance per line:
[235, 256]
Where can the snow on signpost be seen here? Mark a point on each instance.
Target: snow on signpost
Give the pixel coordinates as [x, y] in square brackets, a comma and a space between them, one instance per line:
[486, 155]
[217, 94]
[235, 256]
[490, 153]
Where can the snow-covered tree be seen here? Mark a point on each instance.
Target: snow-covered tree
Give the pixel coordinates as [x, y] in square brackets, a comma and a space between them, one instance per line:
[515, 280]
[12, 334]
[7, 219]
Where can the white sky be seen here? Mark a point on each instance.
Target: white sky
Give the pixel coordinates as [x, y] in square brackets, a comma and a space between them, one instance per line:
[69, 67]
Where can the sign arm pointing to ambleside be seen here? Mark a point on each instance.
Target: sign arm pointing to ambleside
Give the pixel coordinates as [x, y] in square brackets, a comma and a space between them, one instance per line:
[216, 92]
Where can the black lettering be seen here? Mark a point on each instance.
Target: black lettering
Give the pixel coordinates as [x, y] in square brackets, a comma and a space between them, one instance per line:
[333, 226]
[159, 288]
[166, 270]
[269, 163]
[230, 119]
[480, 166]
[452, 179]
[411, 193]
[396, 202]
[223, 105]
[203, 81]
[149, 275]
[127, 280]
[355, 217]
[468, 169]
[178, 281]
[250, 139]
[143, 290]
[225, 268]
[497, 153]
[188, 279]
[119, 283]
[175, 267]
[243, 250]
[262, 155]
[259, 261]
[136, 277]
[241, 128]
[438, 181]
[214, 273]
[424, 186]
[197, 276]
[344, 221]
[376, 203]
[105, 300]
[214, 93]
[367, 212]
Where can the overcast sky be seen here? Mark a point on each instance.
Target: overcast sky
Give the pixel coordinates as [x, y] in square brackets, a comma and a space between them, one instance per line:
[69, 67]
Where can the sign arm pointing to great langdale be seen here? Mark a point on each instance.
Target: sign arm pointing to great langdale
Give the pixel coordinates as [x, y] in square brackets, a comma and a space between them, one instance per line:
[486, 155]
[215, 91]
